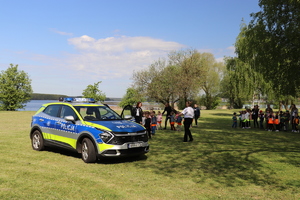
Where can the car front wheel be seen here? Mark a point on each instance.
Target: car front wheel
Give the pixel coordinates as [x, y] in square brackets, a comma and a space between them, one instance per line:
[37, 141]
[88, 151]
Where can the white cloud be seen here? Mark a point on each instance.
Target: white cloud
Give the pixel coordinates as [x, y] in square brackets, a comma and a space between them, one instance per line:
[122, 44]
[115, 57]
[60, 32]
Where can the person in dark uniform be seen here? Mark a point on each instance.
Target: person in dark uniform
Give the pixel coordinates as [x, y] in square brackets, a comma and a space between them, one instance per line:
[138, 113]
[167, 109]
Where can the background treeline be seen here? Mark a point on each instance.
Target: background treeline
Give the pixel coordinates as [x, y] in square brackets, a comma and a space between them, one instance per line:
[39, 96]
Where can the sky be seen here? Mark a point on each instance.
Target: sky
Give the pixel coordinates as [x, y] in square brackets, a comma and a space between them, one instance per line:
[66, 45]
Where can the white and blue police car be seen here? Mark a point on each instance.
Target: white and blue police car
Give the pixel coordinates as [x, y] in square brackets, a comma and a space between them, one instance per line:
[90, 128]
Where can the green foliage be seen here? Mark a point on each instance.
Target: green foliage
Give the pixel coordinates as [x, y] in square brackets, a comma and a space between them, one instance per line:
[211, 102]
[131, 97]
[270, 44]
[92, 91]
[15, 88]
[211, 85]
[179, 78]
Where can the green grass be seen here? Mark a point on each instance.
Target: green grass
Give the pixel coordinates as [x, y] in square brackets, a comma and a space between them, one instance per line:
[221, 163]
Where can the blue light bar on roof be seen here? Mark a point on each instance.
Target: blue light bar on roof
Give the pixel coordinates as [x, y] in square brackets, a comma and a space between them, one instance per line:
[76, 99]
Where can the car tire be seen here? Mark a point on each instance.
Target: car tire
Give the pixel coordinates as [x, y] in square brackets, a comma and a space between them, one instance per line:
[88, 152]
[37, 141]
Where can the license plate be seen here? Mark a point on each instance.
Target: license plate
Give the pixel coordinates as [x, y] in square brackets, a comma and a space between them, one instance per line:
[135, 145]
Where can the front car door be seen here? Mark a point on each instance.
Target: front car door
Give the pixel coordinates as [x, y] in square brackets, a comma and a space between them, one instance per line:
[126, 112]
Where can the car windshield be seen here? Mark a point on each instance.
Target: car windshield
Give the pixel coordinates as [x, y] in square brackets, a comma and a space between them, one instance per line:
[97, 113]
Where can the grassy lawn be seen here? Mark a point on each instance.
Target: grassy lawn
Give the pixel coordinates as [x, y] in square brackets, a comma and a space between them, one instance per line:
[221, 163]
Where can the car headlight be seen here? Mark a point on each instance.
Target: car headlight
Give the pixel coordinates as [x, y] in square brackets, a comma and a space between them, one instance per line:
[106, 136]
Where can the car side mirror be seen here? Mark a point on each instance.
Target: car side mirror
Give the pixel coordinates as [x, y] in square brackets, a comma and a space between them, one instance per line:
[70, 119]
[127, 117]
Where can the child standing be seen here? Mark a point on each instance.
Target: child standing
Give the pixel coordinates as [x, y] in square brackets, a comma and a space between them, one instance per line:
[261, 116]
[178, 121]
[243, 120]
[147, 124]
[287, 120]
[172, 121]
[270, 122]
[153, 122]
[159, 119]
[234, 119]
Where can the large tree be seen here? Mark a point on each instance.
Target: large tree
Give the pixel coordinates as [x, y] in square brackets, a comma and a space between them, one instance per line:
[270, 44]
[93, 91]
[131, 97]
[211, 85]
[238, 84]
[168, 81]
[15, 88]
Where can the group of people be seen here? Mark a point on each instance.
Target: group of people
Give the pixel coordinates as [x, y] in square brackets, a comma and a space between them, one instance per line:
[153, 122]
[268, 120]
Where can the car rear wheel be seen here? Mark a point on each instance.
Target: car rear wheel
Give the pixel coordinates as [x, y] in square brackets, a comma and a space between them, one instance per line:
[88, 151]
[37, 141]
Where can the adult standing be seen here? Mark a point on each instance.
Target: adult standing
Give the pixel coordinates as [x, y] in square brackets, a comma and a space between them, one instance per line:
[293, 113]
[188, 113]
[255, 111]
[196, 114]
[268, 109]
[138, 113]
[167, 109]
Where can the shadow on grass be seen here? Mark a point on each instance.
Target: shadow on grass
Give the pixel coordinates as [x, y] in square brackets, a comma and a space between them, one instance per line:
[229, 157]
[101, 160]
[222, 114]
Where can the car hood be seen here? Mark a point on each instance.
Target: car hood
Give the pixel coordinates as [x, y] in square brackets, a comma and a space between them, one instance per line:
[117, 126]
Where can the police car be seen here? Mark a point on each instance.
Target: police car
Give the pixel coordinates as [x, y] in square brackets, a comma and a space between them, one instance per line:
[92, 129]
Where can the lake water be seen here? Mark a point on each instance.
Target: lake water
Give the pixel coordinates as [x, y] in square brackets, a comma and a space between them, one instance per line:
[34, 105]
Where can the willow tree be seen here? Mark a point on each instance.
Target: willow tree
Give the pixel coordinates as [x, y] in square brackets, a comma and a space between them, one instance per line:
[270, 44]
[237, 84]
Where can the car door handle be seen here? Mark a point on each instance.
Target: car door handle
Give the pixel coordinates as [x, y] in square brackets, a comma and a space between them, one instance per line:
[41, 120]
[58, 122]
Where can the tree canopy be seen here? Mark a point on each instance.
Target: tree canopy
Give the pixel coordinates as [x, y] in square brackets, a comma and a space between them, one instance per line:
[15, 88]
[270, 44]
[131, 97]
[93, 91]
[167, 81]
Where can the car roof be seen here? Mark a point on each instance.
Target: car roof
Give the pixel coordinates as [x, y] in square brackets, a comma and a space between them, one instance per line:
[75, 104]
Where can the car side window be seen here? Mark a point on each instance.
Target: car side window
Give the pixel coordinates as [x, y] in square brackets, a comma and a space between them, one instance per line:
[52, 110]
[68, 111]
